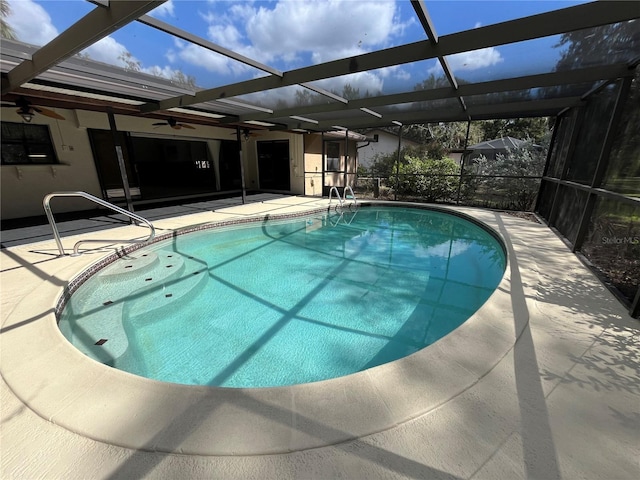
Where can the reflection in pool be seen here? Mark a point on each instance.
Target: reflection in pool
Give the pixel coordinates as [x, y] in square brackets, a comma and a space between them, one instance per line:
[283, 302]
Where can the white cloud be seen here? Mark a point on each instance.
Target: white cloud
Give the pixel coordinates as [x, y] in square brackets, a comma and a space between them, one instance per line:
[164, 10]
[394, 71]
[206, 59]
[31, 23]
[402, 74]
[164, 72]
[289, 31]
[467, 61]
[485, 57]
[364, 81]
[443, 250]
[107, 50]
[328, 30]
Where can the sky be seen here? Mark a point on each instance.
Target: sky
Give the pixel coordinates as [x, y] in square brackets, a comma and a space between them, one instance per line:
[290, 34]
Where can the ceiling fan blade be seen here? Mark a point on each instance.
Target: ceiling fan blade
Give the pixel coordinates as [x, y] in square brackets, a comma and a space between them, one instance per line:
[176, 126]
[49, 113]
[187, 126]
[161, 123]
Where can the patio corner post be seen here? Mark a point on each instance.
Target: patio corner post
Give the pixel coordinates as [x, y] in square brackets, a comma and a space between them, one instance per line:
[395, 193]
[634, 311]
[346, 159]
[244, 191]
[324, 162]
[466, 143]
[121, 164]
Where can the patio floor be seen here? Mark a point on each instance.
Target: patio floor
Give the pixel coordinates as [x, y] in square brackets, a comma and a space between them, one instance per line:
[542, 382]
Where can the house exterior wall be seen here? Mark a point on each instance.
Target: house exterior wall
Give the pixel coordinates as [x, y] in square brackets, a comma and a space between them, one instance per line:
[315, 164]
[387, 143]
[296, 159]
[23, 187]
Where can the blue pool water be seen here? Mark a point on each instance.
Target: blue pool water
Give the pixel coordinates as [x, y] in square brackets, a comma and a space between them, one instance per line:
[286, 302]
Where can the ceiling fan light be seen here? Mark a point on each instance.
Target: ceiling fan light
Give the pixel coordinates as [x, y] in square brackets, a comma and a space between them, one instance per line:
[27, 116]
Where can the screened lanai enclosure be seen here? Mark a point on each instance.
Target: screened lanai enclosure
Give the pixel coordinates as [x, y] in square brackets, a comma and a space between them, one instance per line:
[301, 69]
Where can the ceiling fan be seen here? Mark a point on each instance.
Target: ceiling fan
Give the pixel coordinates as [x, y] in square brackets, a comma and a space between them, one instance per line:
[246, 134]
[174, 124]
[27, 111]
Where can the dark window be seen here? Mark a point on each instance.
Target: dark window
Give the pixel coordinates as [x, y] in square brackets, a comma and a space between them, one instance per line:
[333, 157]
[25, 144]
[273, 165]
[170, 167]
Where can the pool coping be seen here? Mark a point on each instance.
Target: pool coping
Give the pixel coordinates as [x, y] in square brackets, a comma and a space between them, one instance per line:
[71, 390]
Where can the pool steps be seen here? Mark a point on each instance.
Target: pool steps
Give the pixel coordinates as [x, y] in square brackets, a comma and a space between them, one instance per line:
[148, 281]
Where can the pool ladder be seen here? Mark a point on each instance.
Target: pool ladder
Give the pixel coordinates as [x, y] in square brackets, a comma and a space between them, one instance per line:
[342, 200]
[99, 201]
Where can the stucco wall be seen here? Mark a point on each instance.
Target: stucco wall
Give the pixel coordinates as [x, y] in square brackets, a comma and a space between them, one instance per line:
[313, 162]
[387, 143]
[23, 187]
[296, 159]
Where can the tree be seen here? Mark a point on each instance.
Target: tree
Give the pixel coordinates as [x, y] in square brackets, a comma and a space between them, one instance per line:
[178, 77]
[527, 160]
[522, 128]
[6, 31]
[304, 97]
[428, 178]
[130, 64]
[617, 43]
[384, 165]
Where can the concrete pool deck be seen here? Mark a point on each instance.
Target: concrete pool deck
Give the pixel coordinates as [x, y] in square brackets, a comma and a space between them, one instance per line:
[543, 382]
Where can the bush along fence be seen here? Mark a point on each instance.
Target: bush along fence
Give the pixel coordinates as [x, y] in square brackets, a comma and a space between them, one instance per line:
[509, 182]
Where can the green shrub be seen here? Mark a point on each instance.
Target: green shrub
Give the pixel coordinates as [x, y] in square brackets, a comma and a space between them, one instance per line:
[432, 180]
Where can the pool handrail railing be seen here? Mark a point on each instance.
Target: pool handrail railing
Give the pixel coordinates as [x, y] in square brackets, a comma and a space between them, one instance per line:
[56, 234]
[341, 200]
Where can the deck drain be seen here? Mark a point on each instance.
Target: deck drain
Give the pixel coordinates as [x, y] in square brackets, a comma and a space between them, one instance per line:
[102, 341]
[169, 295]
[128, 266]
[169, 266]
[148, 279]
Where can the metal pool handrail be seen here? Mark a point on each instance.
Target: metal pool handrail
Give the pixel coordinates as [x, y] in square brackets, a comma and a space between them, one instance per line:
[353, 195]
[341, 200]
[337, 195]
[99, 201]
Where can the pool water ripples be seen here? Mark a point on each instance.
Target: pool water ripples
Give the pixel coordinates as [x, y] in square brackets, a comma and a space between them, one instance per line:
[284, 302]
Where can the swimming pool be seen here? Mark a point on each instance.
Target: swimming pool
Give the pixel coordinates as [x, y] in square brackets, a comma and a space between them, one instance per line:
[286, 302]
